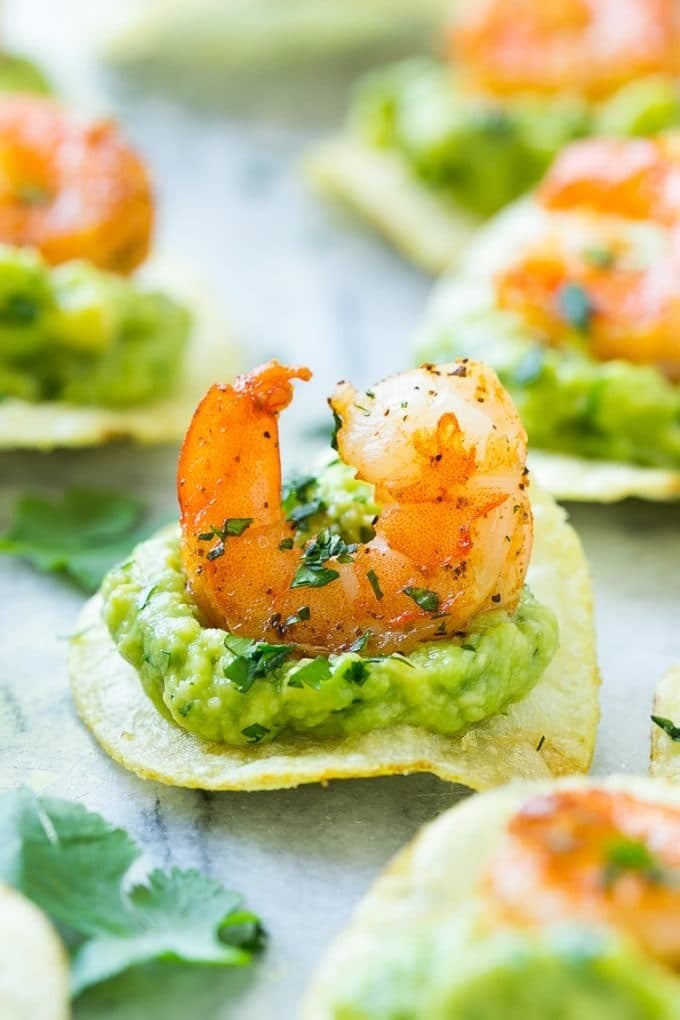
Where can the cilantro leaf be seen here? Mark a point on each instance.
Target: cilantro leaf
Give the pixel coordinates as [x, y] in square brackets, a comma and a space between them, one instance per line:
[423, 597]
[312, 674]
[668, 726]
[326, 546]
[82, 534]
[254, 660]
[74, 865]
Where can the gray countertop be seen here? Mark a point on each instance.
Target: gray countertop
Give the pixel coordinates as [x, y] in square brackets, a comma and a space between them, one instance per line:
[302, 282]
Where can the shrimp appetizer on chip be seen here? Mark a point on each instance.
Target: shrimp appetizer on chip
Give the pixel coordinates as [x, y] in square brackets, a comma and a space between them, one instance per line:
[413, 606]
[431, 148]
[87, 353]
[533, 901]
[573, 296]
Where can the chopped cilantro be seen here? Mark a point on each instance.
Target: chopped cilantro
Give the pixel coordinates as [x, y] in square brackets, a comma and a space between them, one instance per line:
[313, 577]
[233, 527]
[360, 643]
[286, 543]
[299, 514]
[337, 425]
[303, 613]
[357, 673]
[668, 726]
[312, 673]
[326, 546]
[297, 490]
[626, 855]
[375, 584]
[575, 306]
[423, 597]
[74, 865]
[254, 660]
[255, 732]
[82, 534]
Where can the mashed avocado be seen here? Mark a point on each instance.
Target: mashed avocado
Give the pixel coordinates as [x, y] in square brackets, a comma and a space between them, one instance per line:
[570, 402]
[78, 334]
[444, 970]
[483, 153]
[230, 690]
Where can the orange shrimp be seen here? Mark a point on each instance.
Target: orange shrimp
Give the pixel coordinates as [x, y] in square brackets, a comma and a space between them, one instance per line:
[586, 47]
[446, 452]
[637, 178]
[593, 856]
[73, 190]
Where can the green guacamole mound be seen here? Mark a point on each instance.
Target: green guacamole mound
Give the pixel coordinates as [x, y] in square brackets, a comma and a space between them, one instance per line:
[77, 334]
[18, 74]
[570, 402]
[440, 973]
[483, 153]
[234, 691]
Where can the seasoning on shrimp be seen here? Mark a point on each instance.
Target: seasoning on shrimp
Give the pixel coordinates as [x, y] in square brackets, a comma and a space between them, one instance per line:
[72, 189]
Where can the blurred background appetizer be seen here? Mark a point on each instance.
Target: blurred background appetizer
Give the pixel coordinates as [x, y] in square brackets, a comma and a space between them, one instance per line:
[533, 901]
[369, 619]
[88, 352]
[572, 295]
[432, 146]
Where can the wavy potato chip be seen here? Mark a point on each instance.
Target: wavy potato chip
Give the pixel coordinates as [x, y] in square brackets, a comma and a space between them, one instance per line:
[665, 753]
[550, 732]
[429, 230]
[601, 481]
[436, 875]
[34, 971]
[210, 353]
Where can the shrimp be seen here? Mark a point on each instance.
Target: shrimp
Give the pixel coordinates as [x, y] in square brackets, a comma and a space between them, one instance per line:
[622, 309]
[593, 856]
[70, 189]
[445, 450]
[635, 178]
[584, 47]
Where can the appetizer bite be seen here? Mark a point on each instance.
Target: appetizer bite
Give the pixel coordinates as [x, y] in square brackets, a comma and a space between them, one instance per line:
[573, 296]
[87, 353]
[432, 147]
[535, 901]
[34, 971]
[665, 758]
[370, 619]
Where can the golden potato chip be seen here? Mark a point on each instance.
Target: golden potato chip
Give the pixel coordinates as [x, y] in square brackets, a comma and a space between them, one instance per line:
[437, 874]
[34, 971]
[550, 732]
[601, 481]
[428, 229]
[665, 756]
[210, 354]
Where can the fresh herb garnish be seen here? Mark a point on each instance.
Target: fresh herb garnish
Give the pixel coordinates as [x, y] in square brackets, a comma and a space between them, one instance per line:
[575, 306]
[599, 256]
[326, 546]
[357, 672]
[233, 527]
[311, 674]
[74, 865]
[82, 534]
[360, 643]
[375, 584]
[626, 855]
[303, 613]
[253, 660]
[337, 425]
[255, 732]
[423, 597]
[298, 500]
[286, 543]
[668, 726]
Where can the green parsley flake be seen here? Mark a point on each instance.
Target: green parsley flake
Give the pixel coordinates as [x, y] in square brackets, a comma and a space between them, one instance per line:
[254, 660]
[375, 585]
[424, 598]
[255, 732]
[668, 726]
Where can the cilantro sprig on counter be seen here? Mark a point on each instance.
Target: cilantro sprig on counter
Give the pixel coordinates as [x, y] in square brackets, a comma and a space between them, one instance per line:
[82, 534]
[74, 865]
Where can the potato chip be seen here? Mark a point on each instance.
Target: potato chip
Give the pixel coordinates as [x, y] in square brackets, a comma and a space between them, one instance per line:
[428, 229]
[437, 872]
[665, 756]
[210, 354]
[550, 732]
[601, 481]
[34, 970]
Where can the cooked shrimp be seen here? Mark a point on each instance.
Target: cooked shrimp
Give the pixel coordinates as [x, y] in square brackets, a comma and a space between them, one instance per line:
[621, 309]
[446, 452]
[593, 856]
[71, 189]
[588, 47]
[637, 178]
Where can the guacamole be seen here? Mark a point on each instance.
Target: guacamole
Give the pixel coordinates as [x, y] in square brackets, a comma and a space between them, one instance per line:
[569, 402]
[483, 153]
[443, 970]
[78, 334]
[231, 690]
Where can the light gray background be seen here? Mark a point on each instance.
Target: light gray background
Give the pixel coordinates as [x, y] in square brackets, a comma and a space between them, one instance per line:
[305, 283]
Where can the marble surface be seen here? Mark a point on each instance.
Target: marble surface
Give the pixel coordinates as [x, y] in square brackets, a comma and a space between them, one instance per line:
[308, 284]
